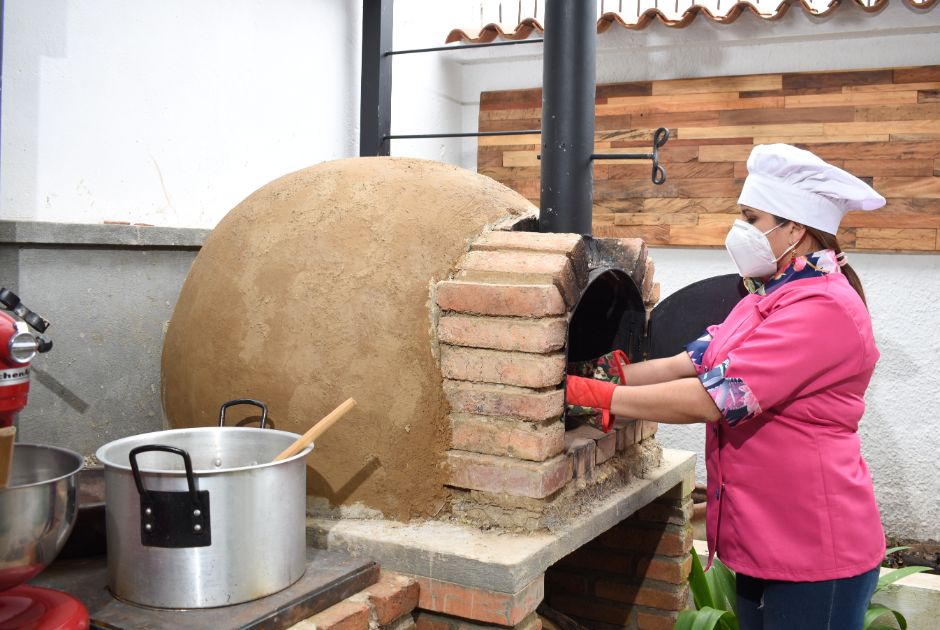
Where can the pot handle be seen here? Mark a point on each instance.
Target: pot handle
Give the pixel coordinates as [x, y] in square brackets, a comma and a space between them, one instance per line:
[243, 401]
[187, 462]
[168, 519]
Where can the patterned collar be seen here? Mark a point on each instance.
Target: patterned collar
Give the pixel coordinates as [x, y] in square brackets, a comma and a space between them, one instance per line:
[808, 266]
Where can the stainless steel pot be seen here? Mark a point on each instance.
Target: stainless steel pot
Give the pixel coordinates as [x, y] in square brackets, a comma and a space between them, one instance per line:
[198, 518]
[37, 510]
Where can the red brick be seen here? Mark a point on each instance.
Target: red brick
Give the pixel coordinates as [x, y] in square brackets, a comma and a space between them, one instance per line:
[581, 451]
[505, 368]
[626, 433]
[655, 620]
[515, 262]
[665, 597]
[346, 615]
[674, 598]
[530, 241]
[634, 251]
[681, 491]
[606, 447]
[500, 299]
[667, 513]
[648, 429]
[628, 254]
[392, 597]
[605, 443]
[480, 605]
[586, 432]
[668, 540]
[665, 569]
[525, 335]
[504, 400]
[647, 288]
[520, 268]
[653, 298]
[489, 473]
[430, 621]
[509, 438]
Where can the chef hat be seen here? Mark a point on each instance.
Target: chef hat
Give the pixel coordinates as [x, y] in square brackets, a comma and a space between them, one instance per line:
[796, 185]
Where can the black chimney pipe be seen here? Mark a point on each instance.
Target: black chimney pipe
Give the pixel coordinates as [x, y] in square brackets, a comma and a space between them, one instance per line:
[568, 85]
[375, 92]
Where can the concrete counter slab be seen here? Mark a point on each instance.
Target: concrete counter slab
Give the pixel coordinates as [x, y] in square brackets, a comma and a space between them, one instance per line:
[496, 561]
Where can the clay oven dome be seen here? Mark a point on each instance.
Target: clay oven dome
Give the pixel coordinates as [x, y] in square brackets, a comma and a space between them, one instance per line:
[316, 288]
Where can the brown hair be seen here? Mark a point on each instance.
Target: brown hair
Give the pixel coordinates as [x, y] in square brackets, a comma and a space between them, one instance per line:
[829, 241]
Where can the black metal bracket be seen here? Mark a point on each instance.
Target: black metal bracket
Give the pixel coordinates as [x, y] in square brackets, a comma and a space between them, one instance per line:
[172, 519]
[659, 139]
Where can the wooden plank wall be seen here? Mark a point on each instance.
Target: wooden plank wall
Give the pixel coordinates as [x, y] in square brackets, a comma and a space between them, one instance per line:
[881, 125]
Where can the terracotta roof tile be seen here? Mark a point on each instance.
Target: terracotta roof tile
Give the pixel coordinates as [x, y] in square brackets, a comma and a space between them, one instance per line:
[682, 13]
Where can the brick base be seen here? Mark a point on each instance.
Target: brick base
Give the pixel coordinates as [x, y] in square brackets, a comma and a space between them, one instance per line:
[388, 605]
[515, 512]
[634, 575]
[479, 605]
[431, 621]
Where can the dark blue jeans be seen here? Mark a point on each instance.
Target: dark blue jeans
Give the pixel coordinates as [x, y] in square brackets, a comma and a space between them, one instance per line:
[828, 605]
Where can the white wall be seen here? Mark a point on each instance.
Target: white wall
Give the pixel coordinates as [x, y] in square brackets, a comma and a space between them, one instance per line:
[899, 431]
[170, 111]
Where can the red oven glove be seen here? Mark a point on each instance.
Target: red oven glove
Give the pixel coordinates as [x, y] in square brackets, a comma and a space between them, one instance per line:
[590, 392]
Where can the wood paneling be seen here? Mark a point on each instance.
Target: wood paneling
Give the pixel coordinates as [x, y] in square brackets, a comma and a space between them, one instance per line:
[881, 125]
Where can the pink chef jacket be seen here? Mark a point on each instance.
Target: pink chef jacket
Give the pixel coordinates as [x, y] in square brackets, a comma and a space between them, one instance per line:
[789, 495]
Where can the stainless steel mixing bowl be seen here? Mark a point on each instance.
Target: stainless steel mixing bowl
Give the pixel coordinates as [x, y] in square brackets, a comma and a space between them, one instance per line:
[37, 510]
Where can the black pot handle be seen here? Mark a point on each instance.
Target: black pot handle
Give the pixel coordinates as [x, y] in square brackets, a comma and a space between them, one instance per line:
[187, 462]
[172, 519]
[243, 401]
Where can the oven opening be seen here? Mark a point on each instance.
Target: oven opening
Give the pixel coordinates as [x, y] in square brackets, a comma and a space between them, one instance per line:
[609, 316]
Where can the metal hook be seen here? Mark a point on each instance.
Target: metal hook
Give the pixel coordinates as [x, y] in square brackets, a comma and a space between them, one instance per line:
[660, 137]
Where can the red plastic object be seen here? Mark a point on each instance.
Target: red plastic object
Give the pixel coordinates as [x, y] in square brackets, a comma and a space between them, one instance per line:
[31, 608]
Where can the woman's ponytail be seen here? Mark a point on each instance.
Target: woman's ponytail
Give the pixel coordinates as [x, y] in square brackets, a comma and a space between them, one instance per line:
[829, 241]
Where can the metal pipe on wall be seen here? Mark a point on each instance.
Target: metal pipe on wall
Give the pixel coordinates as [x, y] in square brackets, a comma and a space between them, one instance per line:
[375, 102]
[568, 86]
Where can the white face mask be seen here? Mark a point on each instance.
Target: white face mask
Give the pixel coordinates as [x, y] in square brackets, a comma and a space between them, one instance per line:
[751, 251]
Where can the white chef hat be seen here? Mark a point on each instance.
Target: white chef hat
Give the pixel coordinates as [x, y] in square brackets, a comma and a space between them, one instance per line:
[796, 185]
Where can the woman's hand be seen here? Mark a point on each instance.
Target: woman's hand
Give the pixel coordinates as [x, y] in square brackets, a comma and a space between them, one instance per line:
[678, 400]
[589, 392]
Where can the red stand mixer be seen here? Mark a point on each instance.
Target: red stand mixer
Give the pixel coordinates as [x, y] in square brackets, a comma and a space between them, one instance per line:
[38, 500]
[18, 346]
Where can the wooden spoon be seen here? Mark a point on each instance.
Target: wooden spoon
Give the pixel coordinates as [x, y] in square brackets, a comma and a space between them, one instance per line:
[6, 454]
[316, 430]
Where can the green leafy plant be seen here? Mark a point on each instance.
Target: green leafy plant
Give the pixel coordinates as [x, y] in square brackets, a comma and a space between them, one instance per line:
[713, 593]
[877, 612]
[714, 596]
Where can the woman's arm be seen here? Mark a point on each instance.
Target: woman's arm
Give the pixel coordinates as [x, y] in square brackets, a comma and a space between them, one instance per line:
[660, 370]
[681, 401]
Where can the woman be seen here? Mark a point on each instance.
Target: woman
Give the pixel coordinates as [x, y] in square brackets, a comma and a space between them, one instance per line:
[780, 384]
